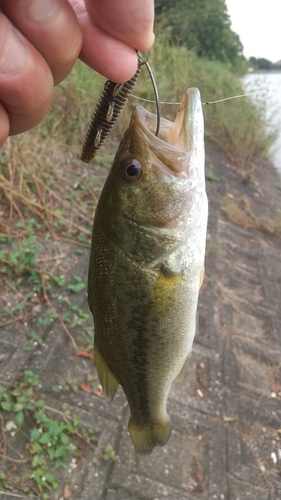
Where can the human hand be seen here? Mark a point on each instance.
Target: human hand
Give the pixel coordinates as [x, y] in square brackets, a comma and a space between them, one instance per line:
[40, 41]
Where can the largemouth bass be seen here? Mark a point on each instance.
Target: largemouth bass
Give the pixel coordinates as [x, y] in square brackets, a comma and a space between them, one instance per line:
[147, 264]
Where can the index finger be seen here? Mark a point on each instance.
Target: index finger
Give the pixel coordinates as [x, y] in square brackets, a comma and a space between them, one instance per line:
[130, 21]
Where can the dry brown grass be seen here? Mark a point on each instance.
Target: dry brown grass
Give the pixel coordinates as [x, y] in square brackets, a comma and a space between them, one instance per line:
[239, 212]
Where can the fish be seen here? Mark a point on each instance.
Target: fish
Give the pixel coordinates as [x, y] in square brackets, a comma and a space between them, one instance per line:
[147, 264]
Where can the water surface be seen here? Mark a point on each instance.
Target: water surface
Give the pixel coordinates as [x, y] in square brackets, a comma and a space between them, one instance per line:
[272, 96]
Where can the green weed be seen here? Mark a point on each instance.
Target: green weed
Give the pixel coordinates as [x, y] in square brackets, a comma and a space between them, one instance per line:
[69, 384]
[59, 280]
[109, 453]
[89, 338]
[50, 441]
[211, 177]
[78, 286]
[46, 318]
[20, 256]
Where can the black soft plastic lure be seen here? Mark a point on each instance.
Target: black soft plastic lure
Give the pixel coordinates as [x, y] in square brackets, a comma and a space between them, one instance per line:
[111, 102]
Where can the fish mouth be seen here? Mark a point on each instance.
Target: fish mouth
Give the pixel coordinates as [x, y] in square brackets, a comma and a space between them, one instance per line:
[178, 142]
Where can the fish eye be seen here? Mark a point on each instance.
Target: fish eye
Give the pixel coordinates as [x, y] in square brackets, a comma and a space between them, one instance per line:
[132, 171]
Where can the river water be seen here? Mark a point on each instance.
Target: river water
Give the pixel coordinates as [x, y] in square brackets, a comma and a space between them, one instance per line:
[272, 96]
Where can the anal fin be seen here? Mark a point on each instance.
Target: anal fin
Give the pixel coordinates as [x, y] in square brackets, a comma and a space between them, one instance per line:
[183, 368]
[108, 381]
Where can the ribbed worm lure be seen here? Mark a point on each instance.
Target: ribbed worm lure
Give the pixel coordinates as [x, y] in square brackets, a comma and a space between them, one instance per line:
[110, 104]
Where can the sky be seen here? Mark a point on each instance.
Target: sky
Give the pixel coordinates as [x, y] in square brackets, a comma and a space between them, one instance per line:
[258, 24]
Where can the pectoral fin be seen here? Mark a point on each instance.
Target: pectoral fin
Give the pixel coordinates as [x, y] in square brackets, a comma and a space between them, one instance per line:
[108, 381]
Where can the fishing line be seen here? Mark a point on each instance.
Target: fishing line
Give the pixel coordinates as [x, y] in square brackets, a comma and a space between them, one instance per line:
[236, 96]
[208, 102]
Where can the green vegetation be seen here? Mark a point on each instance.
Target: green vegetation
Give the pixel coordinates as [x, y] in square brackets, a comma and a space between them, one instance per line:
[203, 27]
[50, 437]
[48, 442]
[109, 453]
[262, 64]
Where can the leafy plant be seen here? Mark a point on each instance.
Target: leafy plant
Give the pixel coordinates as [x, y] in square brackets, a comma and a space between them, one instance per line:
[109, 453]
[59, 280]
[45, 319]
[78, 286]
[89, 338]
[50, 440]
[68, 384]
[211, 177]
[20, 257]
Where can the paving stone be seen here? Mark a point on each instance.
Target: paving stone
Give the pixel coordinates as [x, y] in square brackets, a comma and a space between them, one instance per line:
[148, 488]
[240, 491]
[122, 495]
[180, 466]
[200, 388]
[13, 357]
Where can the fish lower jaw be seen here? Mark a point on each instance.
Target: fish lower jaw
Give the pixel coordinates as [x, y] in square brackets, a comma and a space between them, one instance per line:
[145, 438]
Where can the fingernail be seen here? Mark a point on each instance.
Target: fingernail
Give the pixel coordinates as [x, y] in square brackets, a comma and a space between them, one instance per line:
[13, 55]
[42, 11]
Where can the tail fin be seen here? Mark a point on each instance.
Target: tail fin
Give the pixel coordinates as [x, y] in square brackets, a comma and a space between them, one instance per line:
[146, 438]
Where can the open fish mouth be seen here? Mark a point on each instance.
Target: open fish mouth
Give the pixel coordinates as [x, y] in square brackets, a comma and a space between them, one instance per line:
[176, 140]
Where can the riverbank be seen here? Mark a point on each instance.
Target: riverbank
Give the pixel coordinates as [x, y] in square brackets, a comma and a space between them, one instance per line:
[226, 413]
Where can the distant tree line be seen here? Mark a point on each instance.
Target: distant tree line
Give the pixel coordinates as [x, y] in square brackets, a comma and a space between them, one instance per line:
[203, 26]
[264, 64]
